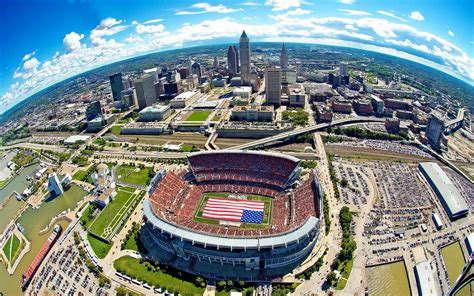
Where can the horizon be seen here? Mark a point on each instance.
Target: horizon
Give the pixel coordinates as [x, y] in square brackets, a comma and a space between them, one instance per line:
[437, 36]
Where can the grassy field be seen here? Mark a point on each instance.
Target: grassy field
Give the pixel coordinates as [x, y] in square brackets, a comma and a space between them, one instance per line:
[133, 268]
[99, 247]
[453, 259]
[116, 212]
[134, 175]
[12, 248]
[116, 130]
[266, 217]
[198, 116]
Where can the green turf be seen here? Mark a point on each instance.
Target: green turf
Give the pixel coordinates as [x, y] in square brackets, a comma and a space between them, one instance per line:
[127, 174]
[116, 211]
[86, 216]
[16, 246]
[79, 175]
[198, 116]
[116, 130]
[99, 247]
[133, 268]
[266, 217]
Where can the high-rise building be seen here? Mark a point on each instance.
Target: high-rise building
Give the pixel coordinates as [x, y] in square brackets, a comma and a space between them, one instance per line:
[196, 68]
[93, 110]
[232, 60]
[215, 64]
[245, 58]
[145, 88]
[184, 72]
[273, 85]
[434, 130]
[343, 69]
[116, 85]
[54, 185]
[128, 97]
[283, 58]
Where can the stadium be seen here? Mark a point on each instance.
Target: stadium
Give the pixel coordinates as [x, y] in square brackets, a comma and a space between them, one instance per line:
[241, 215]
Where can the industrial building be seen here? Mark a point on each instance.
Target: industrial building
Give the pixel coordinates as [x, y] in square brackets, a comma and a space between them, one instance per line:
[453, 203]
[425, 279]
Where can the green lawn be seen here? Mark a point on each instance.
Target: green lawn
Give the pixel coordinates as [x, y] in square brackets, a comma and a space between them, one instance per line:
[266, 217]
[86, 218]
[116, 212]
[79, 175]
[345, 270]
[99, 247]
[16, 246]
[133, 268]
[134, 175]
[116, 130]
[198, 116]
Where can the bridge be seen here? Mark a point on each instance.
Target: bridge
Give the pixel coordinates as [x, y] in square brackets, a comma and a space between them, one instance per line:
[311, 128]
[455, 124]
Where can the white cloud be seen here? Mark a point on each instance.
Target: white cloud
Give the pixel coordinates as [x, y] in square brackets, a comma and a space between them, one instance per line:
[450, 33]
[28, 56]
[153, 21]
[142, 29]
[107, 27]
[391, 14]
[346, 1]
[247, 18]
[298, 11]
[416, 15]
[133, 39]
[279, 5]
[354, 12]
[250, 3]
[72, 41]
[204, 7]
[350, 27]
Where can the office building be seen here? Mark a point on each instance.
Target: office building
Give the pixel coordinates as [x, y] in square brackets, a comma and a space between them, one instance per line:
[145, 88]
[243, 92]
[196, 68]
[215, 63]
[116, 85]
[434, 130]
[232, 60]
[297, 97]
[245, 58]
[288, 76]
[283, 58]
[129, 97]
[273, 85]
[184, 99]
[377, 104]
[252, 113]
[342, 106]
[343, 69]
[450, 197]
[54, 185]
[154, 113]
[93, 110]
[172, 88]
[184, 72]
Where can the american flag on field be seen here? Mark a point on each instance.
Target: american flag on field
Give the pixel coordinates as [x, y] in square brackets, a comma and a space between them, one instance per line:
[250, 211]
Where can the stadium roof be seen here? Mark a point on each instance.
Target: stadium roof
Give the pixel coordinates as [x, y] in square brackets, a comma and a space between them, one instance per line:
[444, 186]
[230, 242]
[289, 157]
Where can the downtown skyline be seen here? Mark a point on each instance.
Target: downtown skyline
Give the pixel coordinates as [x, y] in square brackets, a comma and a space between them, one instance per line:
[76, 36]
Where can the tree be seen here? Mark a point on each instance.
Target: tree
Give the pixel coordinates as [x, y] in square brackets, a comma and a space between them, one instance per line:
[344, 183]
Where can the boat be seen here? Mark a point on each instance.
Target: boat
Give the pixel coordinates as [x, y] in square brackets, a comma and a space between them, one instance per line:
[29, 274]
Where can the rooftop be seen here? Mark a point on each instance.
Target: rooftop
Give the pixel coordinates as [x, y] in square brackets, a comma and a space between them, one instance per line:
[155, 108]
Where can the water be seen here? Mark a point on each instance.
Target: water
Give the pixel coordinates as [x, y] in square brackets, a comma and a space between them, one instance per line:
[9, 211]
[388, 279]
[34, 221]
[18, 184]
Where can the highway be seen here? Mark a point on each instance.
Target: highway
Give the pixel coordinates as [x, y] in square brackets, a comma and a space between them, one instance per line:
[311, 128]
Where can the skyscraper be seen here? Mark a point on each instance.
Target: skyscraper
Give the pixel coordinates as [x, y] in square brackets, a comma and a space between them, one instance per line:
[273, 85]
[434, 130]
[145, 88]
[283, 58]
[232, 60]
[343, 69]
[93, 110]
[54, 186]
[196, 68]
[245, 58]
[116, 85]
[215, 64]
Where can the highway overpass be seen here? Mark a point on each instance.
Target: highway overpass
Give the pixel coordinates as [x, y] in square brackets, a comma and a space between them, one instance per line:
[311, 128]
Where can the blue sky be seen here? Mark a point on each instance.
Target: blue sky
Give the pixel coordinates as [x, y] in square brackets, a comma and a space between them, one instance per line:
[47, 41]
